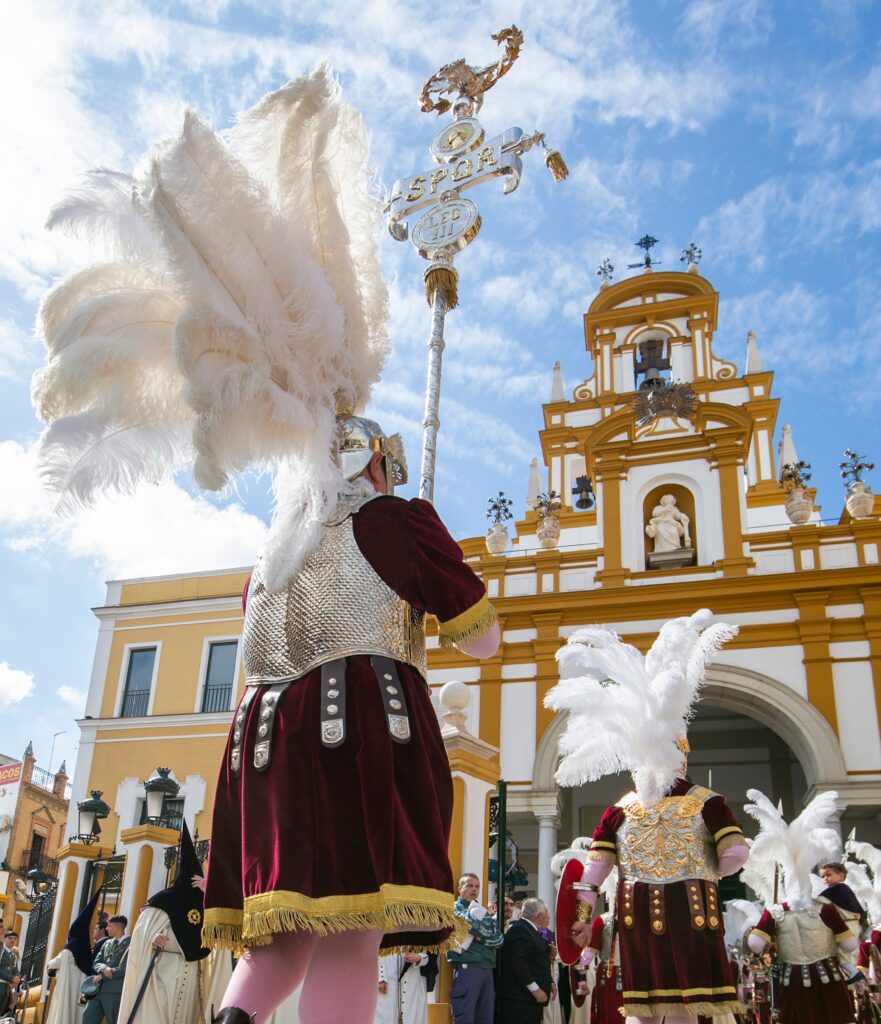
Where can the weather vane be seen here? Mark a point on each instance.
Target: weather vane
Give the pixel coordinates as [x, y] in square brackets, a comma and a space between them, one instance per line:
[465, 158]
[647, 243]
[691, 256]
[605, 271]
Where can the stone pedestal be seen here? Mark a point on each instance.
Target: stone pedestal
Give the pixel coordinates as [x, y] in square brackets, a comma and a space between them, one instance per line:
[681, 558]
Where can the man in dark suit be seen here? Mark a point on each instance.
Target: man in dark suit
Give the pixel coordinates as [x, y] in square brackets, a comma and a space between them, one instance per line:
[525, 983]
[111, 970]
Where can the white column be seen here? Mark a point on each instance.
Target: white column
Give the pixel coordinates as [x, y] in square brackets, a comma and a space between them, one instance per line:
[547, 847]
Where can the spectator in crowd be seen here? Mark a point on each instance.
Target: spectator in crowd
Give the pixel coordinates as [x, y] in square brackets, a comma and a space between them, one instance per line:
[9, 976]
[472, 997]
[110, 971]
[525, 983]
[99, 933]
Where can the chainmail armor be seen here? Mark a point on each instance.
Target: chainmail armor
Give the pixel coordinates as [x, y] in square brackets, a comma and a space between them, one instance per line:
[335, 607]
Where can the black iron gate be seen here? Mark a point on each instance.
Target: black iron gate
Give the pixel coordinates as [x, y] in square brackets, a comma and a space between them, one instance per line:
[33, 956]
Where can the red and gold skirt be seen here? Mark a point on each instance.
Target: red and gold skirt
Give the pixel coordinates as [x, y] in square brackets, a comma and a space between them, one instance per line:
[605, 1000]
[335, 839]
[818, 1002]
[683, 969]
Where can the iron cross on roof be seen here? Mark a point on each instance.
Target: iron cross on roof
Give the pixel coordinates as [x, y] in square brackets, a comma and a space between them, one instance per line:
[647, 243]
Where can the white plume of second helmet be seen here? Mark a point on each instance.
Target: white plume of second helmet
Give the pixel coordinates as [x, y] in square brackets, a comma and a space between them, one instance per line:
[628, 711]
[795, 847]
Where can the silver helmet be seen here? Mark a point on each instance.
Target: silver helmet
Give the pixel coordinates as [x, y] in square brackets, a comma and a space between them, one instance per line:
[358, 438]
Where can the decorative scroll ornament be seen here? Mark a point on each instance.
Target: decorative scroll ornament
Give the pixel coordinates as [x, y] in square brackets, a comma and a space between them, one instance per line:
[468, 82]
[447, 222]
[664, 399]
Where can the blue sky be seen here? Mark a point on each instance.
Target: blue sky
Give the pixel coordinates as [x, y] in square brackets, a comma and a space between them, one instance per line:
[748, 127]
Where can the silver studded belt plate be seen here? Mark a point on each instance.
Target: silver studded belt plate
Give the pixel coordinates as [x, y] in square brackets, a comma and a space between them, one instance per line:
[238, 731]
[393, 701]
[269, 699]
[333, 702]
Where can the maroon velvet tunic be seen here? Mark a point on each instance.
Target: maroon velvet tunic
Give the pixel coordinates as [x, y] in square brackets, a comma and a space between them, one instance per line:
[330, 839]
[684, 969]
[818, 1002]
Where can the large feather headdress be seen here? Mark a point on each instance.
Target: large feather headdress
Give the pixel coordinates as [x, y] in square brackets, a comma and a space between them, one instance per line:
[865, 878]
[759, 873]
[629, 712]
[795, 847]
[240, 303]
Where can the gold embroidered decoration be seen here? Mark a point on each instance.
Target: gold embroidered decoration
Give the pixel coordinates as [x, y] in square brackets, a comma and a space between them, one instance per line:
[582, 911]
[668, 842]
[194, 917]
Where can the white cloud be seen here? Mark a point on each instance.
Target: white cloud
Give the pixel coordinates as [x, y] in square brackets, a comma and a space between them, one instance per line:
[17, 351]
[161, 529]
[15, 685]
[72, 696]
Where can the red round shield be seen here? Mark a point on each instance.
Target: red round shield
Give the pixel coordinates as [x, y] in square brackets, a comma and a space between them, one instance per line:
[567, 900]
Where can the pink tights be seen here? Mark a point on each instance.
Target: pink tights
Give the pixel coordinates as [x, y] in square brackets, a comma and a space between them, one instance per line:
[266, 975]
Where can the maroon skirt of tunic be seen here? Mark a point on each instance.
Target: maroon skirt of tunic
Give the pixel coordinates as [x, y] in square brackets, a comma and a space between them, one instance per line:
[334, 839]
[684, 970]
[605, 1000]
[819, 1003]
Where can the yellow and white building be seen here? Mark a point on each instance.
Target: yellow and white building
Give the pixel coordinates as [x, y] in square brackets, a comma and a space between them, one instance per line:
[791, 705]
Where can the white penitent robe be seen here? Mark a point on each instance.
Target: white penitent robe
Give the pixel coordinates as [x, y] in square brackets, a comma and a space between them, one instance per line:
[64, 1006]
[173, 992]
[409, 996]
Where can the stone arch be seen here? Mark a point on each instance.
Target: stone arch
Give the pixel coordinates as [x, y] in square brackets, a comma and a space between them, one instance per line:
[774, 704]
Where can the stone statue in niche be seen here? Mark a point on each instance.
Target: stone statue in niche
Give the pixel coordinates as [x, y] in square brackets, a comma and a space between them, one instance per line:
[668, 529]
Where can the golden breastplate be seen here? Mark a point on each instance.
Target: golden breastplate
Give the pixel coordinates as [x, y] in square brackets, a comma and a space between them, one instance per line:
[336, 606]
[668, 842]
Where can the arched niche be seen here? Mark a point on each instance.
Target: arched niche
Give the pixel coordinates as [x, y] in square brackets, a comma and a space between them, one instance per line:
[685, 502]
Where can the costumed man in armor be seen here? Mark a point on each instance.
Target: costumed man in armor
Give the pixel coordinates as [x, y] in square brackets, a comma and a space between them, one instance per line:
[671, 840]
[808, 935]
[865, 879]
[241, 319]
[166, 952]
[71, 968]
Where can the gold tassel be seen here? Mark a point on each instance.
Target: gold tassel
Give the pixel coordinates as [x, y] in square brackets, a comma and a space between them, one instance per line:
[445, 278]
[556, 165]
[474, 632]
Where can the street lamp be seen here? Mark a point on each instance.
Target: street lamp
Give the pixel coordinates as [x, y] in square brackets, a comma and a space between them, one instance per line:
[90, 813]
[159, 786]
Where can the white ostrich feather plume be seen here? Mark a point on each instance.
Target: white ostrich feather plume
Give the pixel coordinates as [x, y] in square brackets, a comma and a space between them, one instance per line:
[739, 915]
[626, 711]
[241, 296]
[866, 876]
[796, 847]
[758, 873]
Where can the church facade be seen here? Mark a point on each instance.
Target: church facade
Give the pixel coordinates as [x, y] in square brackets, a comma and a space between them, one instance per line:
[666, 464]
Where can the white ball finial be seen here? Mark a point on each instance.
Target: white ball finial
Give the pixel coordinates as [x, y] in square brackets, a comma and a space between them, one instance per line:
[455, 698]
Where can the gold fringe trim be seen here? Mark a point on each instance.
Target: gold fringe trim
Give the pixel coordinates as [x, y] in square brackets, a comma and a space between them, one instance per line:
[461, 635]
[444, 279]
[556, 165]
[393, 909]
[682, 1009]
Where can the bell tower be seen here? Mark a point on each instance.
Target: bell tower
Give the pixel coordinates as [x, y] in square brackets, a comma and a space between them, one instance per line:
[676, 442]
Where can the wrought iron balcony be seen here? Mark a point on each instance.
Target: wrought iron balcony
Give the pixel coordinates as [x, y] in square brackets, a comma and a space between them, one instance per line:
[31, 859]
[135, 704]
[216, 698]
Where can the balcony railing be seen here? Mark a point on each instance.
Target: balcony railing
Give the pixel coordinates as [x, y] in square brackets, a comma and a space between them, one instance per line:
[43, 779]
[216, 698]
[135, 704]
[31, 859]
